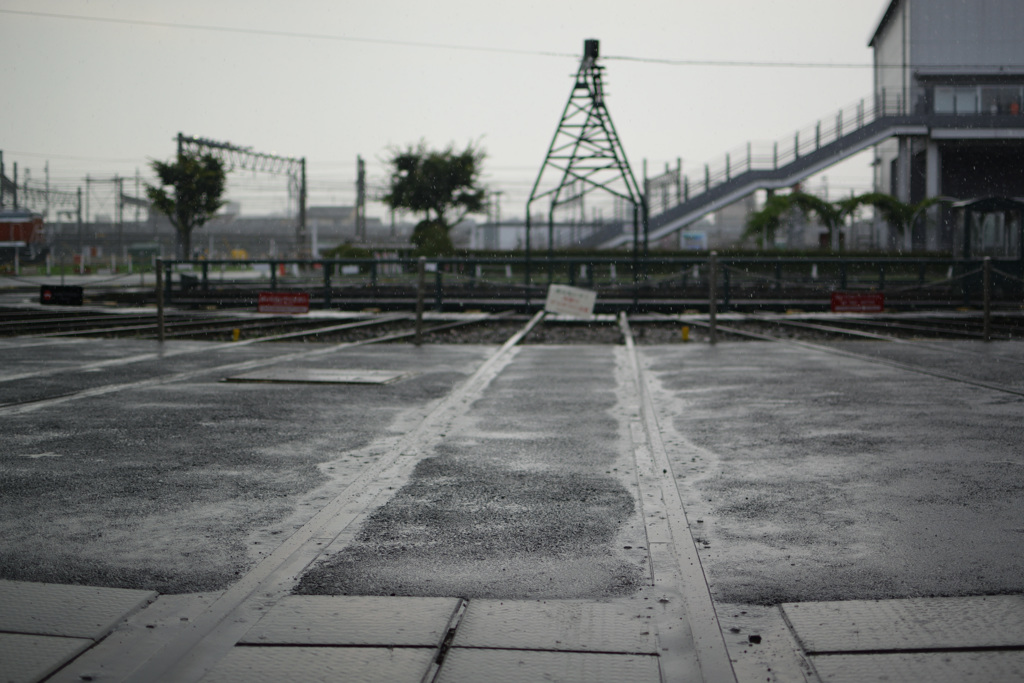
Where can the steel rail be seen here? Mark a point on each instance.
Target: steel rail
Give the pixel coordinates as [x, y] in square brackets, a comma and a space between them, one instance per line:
[911, 327]
[36, 404]
[675, 562]
[212, 635]
[871, 359]
[230, 324]
[895, 340]
[177, 324]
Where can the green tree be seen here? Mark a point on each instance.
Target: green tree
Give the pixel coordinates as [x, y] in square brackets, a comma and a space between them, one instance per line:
[443, 185]
[764, 224]
[897, 214]
[189, 194]
[431, 239]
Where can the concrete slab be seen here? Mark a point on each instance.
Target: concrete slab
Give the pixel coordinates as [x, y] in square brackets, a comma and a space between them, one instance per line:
[518, 666]
[916, 624]
[318, 376]
[322, 664]
[562, 625]
[934, 667]
[136, 639]
[354, 620]
[26, 658]
[72, 611]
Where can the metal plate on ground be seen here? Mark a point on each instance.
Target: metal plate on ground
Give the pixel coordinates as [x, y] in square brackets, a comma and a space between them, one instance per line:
[351, 620]
[26, 659]
[57, 610]
[308, 664]
[934, 667]
[566, 625]
[319, 376]
[518, 666]
[915, 624]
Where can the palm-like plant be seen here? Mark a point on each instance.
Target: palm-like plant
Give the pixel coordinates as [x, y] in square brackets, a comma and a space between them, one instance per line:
[763, 225]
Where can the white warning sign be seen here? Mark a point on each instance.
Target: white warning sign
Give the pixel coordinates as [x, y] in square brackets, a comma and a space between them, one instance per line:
[573, 301]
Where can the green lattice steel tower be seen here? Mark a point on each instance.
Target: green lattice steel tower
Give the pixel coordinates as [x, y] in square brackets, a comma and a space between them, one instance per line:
[587, 156]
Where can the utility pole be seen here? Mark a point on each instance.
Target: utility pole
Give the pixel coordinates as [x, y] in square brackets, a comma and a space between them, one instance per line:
[496, 240]
[119, 184]
[46, 207]
[79, 212]
[15, 187]
[137, 196]
[303, 241]
[360, 199]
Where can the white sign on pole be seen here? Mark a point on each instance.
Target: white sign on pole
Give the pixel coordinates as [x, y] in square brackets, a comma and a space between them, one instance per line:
[573, 301]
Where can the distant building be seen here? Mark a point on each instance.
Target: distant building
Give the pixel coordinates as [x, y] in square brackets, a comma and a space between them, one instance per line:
[955, 69]
[729, 224]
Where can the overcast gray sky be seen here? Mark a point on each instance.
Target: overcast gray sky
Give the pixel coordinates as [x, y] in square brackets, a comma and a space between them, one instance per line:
[332, 79]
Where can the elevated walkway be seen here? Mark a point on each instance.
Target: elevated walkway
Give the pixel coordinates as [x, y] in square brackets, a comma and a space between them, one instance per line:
[811, 150]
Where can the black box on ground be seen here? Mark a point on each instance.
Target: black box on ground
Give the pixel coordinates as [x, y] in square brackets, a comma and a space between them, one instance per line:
[60, 295]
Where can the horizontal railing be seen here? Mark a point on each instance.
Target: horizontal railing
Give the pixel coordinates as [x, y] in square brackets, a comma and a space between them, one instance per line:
[522, 282]
[763, 156]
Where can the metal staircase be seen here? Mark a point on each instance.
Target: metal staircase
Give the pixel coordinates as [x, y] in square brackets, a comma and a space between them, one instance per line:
[811, 150]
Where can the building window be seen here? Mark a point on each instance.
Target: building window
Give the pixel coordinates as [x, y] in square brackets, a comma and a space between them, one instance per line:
[1000, 100]
[945, 101]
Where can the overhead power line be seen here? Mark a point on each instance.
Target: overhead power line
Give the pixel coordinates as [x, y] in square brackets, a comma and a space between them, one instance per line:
[442, 46]
[283, 34]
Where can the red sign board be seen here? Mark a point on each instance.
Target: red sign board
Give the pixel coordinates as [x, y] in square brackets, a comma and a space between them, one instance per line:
[283, 302]
[858, 302]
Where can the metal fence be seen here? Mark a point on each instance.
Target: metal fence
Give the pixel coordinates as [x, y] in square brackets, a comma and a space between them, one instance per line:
[454, 283]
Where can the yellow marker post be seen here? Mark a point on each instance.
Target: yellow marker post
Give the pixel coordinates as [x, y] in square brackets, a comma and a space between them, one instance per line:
[236, 334]
[686, 333]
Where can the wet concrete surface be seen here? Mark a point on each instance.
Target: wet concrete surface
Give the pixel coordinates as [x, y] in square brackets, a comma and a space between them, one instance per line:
[805, 475]
[810, 476]
[523, 499]
[180, 487]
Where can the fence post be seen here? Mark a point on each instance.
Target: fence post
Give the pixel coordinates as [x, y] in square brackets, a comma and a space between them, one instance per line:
[438, 300]
[327, 267]
[986, 279]
[168, 283]
[726, 288]
[160, 300]
[712, 296]
[421, 286]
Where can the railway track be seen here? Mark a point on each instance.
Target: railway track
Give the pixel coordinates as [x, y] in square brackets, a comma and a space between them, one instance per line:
[216, 629]
[913, 359]
[245, 325]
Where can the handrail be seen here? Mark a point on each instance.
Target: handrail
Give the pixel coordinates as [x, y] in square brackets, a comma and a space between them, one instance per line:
[772, 155]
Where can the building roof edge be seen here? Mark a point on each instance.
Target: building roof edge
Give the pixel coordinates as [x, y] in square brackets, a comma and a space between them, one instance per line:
[883, 19]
